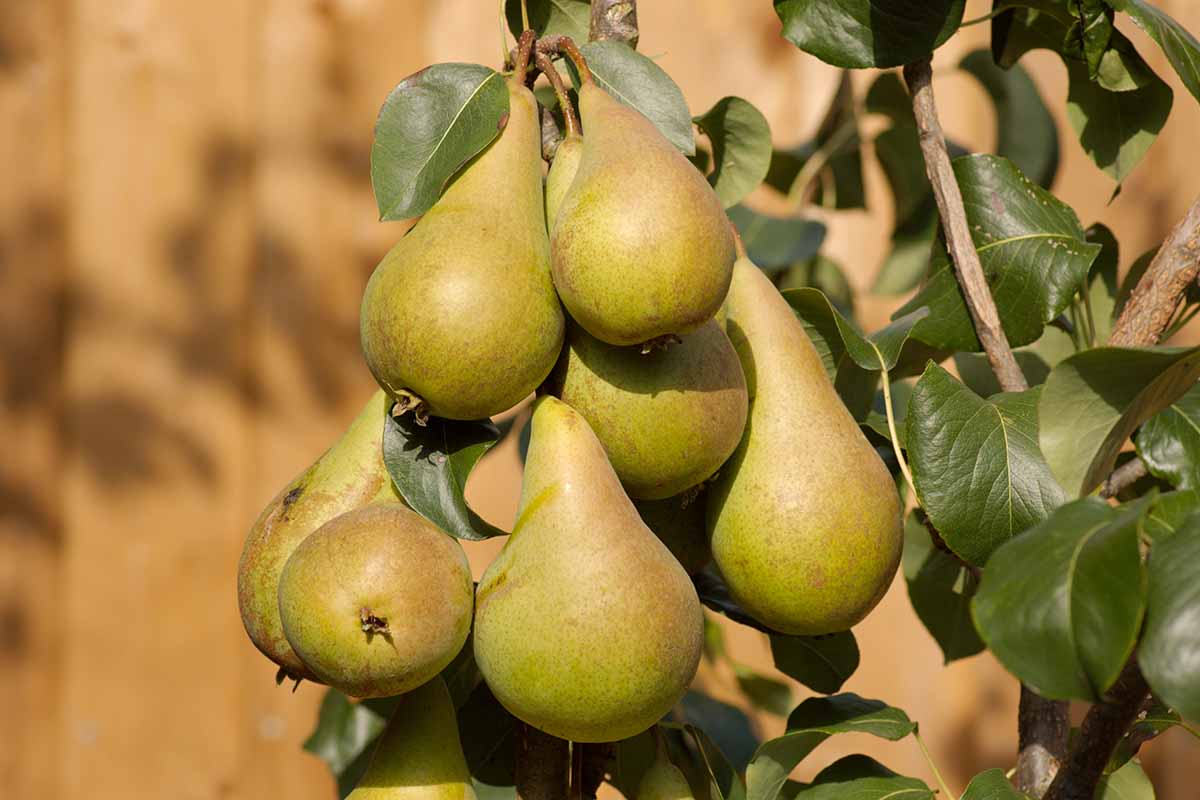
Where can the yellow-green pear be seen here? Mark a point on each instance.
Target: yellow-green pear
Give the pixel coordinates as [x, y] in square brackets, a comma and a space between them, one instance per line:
[562, 174]
[460, 319]
[663, 781]
[667, 418]
[678, 522]
[585, 626]
[419, 755]
[351, 474]
[377, 601]
[641, 248]
[804, 518]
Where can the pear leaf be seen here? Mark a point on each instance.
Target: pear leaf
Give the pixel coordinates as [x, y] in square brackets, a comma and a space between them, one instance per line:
[1169, 442]
[741, 147]
[1181, 47]
[822, 663]
[430, 125]
[859, 34]
[550, 17]
[1169, 653]
[992, 785]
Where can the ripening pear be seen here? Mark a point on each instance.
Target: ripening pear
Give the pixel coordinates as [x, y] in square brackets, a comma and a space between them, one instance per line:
[663, 781]
[804, 518]
[460, 319]
[585, 626]
[377, 601]
[562, 174]
[678, 522]
[641, 247]
[419, 755]
[667, 418]
[351, 474]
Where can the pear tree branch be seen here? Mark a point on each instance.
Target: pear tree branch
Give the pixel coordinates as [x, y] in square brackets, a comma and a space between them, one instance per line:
[614, 20]
[543, 765]
[1042, 724]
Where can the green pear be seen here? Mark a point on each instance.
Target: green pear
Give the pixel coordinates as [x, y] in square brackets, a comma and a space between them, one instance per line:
[351, 474]
[377, 601]
[804, 519]
[678, 522]
[663, 781]
[419, 755]
[460, 319]
[562, 174]
[585, 627]
[667, 418]
[641, 248]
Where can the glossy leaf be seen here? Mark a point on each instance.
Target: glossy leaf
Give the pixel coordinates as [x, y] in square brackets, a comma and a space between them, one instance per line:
[1181, 47]
[1102, 281]
[869, 33]
[1094, 400]
[1150, 723]
[741, 147]
[1061, 605]
[638, 82]
[728, 726]
[976, 464]
[1127, 783]
[822, 663]
[1025, 130]
[430, 465]
[489, 740]
[430, 125]
[992, 785]
[827, 276]
[940, 589]
[1169, 442]
[1032, 249]
[1089, 35]
[879, 351]
[345, 730]
[1170, 512]
[858, 777]
[1035, 360]
[551, 17]
[1169, 654]
[814, 721]
[725, 781]
[775, 243]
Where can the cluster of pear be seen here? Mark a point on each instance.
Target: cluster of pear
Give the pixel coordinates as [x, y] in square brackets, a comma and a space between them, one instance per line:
[679, 378]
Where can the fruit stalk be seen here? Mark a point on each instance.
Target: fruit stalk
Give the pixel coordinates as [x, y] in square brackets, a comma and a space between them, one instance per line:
[524, 51]
[560, 91]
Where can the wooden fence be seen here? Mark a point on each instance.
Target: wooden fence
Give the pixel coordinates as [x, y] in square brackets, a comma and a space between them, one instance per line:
[186, 225]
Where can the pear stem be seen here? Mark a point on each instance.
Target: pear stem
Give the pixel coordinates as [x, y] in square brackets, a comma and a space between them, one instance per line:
[524, 50]
[891, 421]
[560, 91]
[566, 45]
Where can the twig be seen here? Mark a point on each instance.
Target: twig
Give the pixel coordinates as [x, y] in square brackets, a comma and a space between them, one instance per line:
[616, 20]
[1042, 723]
[1153, 301]
[595, 767]
[1106, 722]
[1123, 477]
[543, 765]
[919, 75]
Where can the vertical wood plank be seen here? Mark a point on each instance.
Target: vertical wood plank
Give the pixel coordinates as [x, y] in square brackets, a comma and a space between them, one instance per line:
[154, 479]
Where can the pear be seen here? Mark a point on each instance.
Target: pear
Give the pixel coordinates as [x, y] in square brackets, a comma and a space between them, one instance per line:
[804, 519]
[377, 601]
[641, 248]
[663, 781]
[667, 418]
[419, 755]
[585, 627]
[562, 174]
[678, 522]
[351, 474]
[460, 319]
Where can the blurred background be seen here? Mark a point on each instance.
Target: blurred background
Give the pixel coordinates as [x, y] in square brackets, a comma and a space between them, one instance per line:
[186, 225]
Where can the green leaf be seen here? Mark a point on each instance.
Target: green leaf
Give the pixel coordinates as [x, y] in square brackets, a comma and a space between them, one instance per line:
[551, 18]
[430, 125]
[1170, 512]
[824, 274]
[741, 147]
[869, 33]
[940, 589]
[770, 695]
[1169, 442]
[1025, 130]
[345, 730]
[1127, 783]
[1060, 605]
[729, 727]
[1181, 48]
[1032, 249]
[976, 465]
[858, 777]
[1150, 723]
[880, 350]
[814, 721]
[1089, 34]
[822, 663]
[1169, 654]
[430, 465]
[1102, 280]
[1116, 128]
[992, 785]
[876, 419]
[489, 739]
[775, 243]
[1094, 400]
[640, 84]
[725, 781]
[1035, 360]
